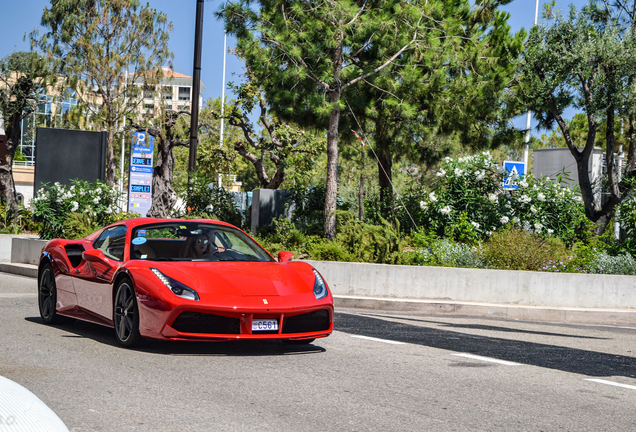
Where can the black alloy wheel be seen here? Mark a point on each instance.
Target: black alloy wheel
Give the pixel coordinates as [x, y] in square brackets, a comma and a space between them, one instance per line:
[47, 295]
[126, 315]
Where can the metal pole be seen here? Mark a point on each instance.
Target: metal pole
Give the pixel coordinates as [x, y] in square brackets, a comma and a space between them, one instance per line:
[223, 100]
[123, 152]
[529, 115]
[196, 91]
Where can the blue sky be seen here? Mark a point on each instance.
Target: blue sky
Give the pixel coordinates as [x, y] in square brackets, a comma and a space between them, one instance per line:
[19, 19]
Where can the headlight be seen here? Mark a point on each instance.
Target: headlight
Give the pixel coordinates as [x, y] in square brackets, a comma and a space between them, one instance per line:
[320, 288]
[176, 287]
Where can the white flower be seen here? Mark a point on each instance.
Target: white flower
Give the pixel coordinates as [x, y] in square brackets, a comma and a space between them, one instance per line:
[504, 220]
[108, 210]
[96, 200]
[475, 225]
[458, 172]
[75, 206]
[432, 197]
[445, 210]
[479, 176]
[98, 190]
[515, 219]
[447, 159]
[488, 233]
[423, 205]
[523, 183]
[533, 210]
[501, 170]
[541, 197]
[550, 231]
[537, 227]
[441, 173]
[492, 197]
[525, 199]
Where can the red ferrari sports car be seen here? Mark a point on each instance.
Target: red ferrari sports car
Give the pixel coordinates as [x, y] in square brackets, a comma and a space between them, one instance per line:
[175, 279]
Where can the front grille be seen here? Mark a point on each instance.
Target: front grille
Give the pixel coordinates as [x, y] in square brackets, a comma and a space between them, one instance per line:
[195, 322]
[305, 323]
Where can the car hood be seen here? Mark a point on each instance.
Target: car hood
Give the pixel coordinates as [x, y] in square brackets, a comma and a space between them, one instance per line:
[242, 278]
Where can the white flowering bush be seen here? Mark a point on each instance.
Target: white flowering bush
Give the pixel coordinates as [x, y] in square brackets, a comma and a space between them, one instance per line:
[469, 201]
[53, 204]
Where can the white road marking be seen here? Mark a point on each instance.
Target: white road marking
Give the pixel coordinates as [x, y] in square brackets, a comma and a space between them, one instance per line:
[378, 340]
[488, 359]
[631, 387]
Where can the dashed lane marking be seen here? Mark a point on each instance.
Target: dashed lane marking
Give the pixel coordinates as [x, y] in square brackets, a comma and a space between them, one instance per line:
[488, 359]
[627, 386]
[378, 340]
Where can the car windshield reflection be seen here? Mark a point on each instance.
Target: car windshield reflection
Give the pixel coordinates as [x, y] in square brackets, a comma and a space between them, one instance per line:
[194, 241]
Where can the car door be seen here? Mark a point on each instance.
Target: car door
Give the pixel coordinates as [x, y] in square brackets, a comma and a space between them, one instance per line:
[92, 280]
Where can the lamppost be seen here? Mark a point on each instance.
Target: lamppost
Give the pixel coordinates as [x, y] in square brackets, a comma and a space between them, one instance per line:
[196, 91]
[529, 114]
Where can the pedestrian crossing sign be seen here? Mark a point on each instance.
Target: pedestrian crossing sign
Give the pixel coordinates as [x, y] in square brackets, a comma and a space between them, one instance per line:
[515, 171]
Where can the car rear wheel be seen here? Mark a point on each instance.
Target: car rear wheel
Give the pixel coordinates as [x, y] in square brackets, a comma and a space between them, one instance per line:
[47, 296]
[298, 341]
[126, 315]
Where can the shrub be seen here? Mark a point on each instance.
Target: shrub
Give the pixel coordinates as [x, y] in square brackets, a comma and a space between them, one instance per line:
[604, 263]
[22, 223]
[53, 204]
[208, 201]
[516, 249]
[445, 253]
[468, 202]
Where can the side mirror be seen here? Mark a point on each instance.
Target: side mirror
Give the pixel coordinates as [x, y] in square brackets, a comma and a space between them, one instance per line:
[94, 255]
[284, 256]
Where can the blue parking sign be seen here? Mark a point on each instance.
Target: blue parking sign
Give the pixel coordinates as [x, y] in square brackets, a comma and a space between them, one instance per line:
[515, 171]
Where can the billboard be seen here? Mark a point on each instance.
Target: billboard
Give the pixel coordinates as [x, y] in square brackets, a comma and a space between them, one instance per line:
[140, 174]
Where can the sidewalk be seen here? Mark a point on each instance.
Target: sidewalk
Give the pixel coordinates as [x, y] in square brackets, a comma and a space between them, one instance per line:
[621, 317]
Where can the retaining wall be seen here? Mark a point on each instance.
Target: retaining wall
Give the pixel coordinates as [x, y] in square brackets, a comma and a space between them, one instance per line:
[568, 290]
[26, 250]
[6, 246]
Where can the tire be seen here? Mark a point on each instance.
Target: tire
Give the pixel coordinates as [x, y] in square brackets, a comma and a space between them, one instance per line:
[126, 315]
[47, 296]
[298, 341]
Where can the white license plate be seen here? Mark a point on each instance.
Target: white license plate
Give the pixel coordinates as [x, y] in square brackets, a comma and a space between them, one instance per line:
[264, 324]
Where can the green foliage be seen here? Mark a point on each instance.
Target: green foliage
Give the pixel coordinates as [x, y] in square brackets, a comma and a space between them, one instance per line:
[468, 204]
[516, 249]
[99, 47]
[20, 223]
[53, 204]
[604, 263]
[207, 201]
[587, 62]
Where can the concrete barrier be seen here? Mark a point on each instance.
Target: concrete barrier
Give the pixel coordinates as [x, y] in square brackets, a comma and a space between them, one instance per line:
[6, 241]
[507, 287]
[26, 250]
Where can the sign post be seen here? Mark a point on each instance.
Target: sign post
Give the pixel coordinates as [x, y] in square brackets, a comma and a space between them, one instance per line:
[140, 174]
[515, 171]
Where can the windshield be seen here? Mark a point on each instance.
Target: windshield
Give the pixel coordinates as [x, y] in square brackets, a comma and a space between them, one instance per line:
[194, 241]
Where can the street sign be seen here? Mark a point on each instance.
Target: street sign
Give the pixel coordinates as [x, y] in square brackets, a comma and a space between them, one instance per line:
[515, 171]
[140, 175]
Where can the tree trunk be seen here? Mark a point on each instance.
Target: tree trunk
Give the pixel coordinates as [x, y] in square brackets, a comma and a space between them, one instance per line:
[163, 195]
[331, 189]
[8, 196]
[385, 164]
[361, 190]
[110, 156]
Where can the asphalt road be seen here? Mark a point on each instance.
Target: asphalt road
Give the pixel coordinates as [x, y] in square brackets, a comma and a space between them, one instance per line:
[384, 372]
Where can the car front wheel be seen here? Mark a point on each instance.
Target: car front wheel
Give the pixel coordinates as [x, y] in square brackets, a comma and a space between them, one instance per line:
[126, 315]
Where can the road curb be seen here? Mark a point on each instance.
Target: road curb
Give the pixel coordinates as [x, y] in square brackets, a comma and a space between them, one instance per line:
[511, 312]
[28, 270]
